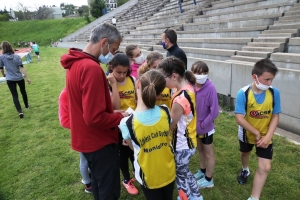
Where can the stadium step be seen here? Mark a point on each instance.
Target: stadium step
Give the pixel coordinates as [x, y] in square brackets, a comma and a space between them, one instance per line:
[260, 54]
[245, 58]
[264, 49]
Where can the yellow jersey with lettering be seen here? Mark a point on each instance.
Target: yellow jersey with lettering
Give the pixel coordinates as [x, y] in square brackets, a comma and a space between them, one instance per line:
[184, 133]
[154, 161]
[127, 94]
[164, 98]
[258, 115]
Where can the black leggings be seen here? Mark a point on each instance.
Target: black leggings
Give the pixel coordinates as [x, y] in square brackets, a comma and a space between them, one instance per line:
[125, 153]
[164, 193]
[12, 85]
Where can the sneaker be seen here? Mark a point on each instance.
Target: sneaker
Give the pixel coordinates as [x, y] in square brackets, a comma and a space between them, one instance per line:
[21, 115]
[242, 178]
[203, 183]
[199, 175]
[88, 189]
[27, 107]
[131, 189]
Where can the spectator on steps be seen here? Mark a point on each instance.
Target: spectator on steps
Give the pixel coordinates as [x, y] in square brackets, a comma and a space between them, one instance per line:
[169, 42]
[195, 2]
[114, 21]
[180, 5]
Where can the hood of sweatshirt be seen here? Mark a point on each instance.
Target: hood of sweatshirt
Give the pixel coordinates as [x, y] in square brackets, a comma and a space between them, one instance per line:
[8, 56]
[75, 54]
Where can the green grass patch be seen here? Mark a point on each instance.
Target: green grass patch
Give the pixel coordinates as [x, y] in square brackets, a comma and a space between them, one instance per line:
[40, 31]
[37, 161]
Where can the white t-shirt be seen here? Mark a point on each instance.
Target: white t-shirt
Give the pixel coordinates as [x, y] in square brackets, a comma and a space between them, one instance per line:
[114, 20]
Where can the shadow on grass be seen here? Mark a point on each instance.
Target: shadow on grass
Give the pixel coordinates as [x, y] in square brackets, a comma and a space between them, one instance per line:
[2, 196]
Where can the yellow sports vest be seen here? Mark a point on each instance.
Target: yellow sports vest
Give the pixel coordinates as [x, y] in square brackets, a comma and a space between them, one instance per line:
[258, 115]
[189, 134]
[154, 159]
[164, 98]
[127, 94]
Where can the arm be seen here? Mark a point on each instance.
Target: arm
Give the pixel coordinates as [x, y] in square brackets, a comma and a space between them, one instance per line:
[25, 73]
[2, 72]
[115, 97]
[176, 113]
[63, 110]
[240, 120]
[128, 141]
[214, 108]
[265, 141]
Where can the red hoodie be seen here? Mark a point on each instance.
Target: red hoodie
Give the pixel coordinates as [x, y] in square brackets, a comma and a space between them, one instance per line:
[93, 122]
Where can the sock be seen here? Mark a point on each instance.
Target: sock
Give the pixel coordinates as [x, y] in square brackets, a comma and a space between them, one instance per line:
[126, 181]
[247, 168]
[252, 198]
[88, 185]
[207, 178]
[203, 170]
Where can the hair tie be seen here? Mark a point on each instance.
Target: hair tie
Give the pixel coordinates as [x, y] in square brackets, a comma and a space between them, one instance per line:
[152, 84]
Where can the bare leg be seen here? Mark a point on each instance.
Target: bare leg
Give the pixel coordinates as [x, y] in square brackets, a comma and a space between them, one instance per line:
[245, 158]
[210, 157]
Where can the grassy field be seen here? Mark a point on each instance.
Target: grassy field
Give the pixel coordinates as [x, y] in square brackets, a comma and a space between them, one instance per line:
[40, 31]
[38, 163]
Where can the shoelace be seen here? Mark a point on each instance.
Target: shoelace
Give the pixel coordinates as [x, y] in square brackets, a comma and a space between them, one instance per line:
[244, 173]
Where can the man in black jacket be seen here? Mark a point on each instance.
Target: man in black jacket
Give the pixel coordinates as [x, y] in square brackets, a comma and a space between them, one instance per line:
[169, 42]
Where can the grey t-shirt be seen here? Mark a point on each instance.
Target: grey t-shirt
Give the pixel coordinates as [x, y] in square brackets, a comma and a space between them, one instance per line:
[12, 64]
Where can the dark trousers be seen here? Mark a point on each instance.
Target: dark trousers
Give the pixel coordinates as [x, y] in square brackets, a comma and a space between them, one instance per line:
[12, 85]
[164, 193]
[104, 166]
[125, 154]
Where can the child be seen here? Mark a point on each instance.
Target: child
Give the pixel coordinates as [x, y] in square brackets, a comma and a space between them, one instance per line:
[136, 58]
[123, 96]
[35, 47]
[207, 110]
[64, 119]
[147, 132]
[257, 113]
[152, 61]
[183, 126]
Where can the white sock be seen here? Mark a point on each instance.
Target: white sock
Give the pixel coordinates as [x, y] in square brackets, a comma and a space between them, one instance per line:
[252, 198]
[247, 169]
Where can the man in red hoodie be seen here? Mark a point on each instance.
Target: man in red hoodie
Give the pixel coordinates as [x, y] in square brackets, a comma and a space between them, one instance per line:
[93, 122]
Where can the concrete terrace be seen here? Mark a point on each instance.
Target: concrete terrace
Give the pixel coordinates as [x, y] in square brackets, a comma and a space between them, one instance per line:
[229, 35]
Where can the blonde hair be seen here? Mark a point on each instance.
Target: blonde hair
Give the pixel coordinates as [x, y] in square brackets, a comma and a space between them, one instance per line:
[151, 58]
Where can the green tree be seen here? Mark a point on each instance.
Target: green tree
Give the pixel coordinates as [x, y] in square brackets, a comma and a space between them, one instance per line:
[96, 8]
[4, 17]
[121, 2]
[82, 10]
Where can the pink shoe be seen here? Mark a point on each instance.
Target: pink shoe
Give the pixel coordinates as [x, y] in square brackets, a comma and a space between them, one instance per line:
[131, 189]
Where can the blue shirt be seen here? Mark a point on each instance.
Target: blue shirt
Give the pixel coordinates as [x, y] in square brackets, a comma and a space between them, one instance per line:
[260, 98]
[147, 117]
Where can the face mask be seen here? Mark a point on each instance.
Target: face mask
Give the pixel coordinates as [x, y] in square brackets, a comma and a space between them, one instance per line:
[106, 59]
[139, 60]
[163, 45]
[201, 79]
[261, 86]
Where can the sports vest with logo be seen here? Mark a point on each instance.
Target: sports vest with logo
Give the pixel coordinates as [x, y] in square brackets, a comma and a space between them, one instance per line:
[164, 98]
[258, 115]
[127, 94]
[153, 156]
[184, 133]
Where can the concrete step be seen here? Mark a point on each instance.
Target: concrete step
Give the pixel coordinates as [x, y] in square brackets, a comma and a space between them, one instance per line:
[287, 22]
[281, 31]
[240, 62]
[278, 35]
[282, 26]
[264, 49]
[292, 13]
[257, 54]
[245, 58]
[288, 18]
[264, 44]
[272, 39]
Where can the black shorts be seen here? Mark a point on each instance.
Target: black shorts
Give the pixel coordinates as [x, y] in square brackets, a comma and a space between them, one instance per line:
[260, 152]
[205, 139]
[37, 53]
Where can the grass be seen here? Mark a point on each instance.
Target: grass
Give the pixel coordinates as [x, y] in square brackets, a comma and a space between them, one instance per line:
[38, 163]
[40, 31]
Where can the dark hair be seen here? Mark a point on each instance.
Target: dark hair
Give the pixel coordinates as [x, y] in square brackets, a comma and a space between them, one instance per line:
[153, 83]
[171, 35]
[172, 65]
[33, 42]
[151, 58]
[199, 67]
[7, 48]
[119, 59]
[264, 65]
[129, 49]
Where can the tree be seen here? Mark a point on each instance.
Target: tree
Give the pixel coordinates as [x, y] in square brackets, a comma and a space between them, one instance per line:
[82, 10]
[96, 8]
[23, 9]
[4, 17]
[43, 13]
[121, 2]
[69, 9]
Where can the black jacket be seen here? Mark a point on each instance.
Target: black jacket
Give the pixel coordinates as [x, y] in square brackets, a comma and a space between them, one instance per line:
[178, 53]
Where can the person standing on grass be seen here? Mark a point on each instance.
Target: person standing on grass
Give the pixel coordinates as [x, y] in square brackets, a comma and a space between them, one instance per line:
[64, 120]
[93, 121]
[183, 126]
[207, 109]
[123, 96]
[257, 114]
[147, 128]
[36, 50]
[14, 69]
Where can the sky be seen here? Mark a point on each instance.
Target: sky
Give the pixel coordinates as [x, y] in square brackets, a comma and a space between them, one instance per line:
[33, 4]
